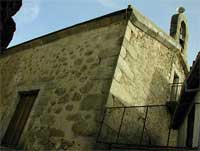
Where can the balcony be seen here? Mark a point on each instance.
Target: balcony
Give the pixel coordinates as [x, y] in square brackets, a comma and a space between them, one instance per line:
[139, 127]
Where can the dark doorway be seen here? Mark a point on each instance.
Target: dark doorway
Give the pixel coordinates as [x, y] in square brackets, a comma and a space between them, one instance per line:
[190, 127]
[19, 119]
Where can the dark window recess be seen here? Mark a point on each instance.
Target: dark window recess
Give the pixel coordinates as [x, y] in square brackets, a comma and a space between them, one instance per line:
[190, 127]
[19, 119]
[182, 43]
[174, 89]
[182, 35]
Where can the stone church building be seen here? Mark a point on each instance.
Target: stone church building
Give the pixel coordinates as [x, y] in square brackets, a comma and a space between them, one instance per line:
[114, 82]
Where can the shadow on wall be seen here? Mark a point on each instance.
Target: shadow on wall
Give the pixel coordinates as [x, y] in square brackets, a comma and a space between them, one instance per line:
[135, 125]
[142, 125]
[159, 88]
[158, 117]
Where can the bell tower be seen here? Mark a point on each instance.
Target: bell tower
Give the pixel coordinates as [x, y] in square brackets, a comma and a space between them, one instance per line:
[179, 30]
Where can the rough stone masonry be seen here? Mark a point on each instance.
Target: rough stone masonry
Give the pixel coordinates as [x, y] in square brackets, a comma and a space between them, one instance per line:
[119, 59]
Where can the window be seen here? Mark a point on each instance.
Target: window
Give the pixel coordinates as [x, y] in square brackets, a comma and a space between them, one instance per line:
[175, 88]
[182, 35]
[19, 119]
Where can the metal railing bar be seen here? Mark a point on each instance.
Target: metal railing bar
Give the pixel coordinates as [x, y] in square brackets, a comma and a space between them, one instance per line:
[142, 106]
[168, 137]
[98, 141]
[136, 106]
[177, 83]
[150, 146]
[141, 139]
[115, 139]
[120, 125]
[99, 133]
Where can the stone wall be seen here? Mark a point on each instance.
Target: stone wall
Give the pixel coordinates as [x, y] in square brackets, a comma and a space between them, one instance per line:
[78, 71]
[143, 74]
[73, 74]
[144, 70]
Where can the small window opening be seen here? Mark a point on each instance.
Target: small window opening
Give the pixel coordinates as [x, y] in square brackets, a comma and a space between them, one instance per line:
[182, 35]
[19, 119]
[175, 88]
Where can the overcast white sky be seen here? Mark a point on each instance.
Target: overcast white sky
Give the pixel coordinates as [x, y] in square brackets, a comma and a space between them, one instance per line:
[40, 17]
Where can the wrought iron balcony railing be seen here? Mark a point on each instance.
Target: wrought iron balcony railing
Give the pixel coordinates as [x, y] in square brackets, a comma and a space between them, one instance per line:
[139, 126]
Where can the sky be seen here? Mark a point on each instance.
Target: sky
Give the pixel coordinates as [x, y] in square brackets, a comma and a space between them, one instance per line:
[40, 17]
